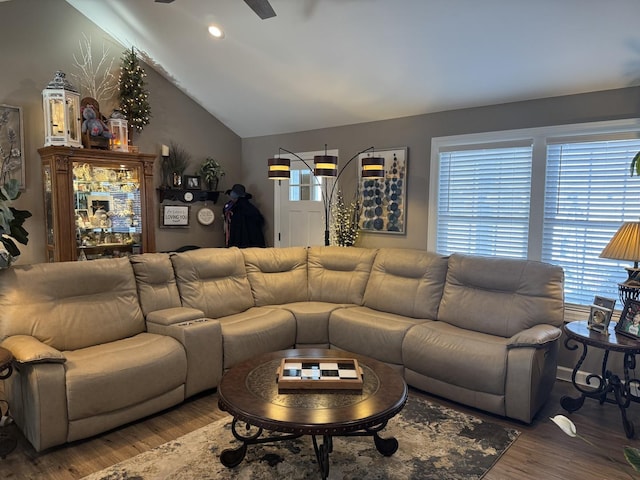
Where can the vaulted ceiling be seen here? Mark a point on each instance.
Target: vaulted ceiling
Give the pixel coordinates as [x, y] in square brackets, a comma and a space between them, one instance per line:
[322, 63]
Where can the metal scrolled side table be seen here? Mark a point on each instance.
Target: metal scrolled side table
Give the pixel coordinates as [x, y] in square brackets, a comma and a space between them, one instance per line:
[606, 382]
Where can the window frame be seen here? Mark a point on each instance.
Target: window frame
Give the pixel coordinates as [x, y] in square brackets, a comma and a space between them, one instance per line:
[540, 138]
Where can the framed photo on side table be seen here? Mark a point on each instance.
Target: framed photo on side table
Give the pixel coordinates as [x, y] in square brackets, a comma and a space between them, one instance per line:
[629, 323]
[601, 312]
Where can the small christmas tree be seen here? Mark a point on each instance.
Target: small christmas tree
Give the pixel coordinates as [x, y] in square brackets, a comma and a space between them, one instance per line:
[134, 99]
[344, 227]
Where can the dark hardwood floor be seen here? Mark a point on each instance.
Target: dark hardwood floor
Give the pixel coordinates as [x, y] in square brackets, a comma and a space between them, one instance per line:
[541, 451]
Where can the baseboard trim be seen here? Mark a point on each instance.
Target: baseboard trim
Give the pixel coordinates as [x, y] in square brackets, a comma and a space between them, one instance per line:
[564, 374]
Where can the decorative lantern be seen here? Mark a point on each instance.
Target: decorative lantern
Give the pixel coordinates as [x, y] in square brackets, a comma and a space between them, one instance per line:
[118, 128]
[61, 103]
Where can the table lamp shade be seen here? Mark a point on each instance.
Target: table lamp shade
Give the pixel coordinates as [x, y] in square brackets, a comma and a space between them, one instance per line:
[625, 244]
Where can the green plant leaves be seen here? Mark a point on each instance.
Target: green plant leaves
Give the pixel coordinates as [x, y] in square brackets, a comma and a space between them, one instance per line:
[635, 165]
[633, 455]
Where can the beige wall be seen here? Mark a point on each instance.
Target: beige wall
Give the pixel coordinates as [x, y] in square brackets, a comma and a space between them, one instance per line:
[40, 37]
[416, 134]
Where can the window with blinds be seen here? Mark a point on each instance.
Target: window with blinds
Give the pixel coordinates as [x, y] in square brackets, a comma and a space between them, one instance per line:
[483, 201]
[589, 193]
[555, 194]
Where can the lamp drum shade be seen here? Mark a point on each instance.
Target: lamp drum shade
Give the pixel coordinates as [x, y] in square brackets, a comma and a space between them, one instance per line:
[325, 166]
[373, 167]
[279, 168]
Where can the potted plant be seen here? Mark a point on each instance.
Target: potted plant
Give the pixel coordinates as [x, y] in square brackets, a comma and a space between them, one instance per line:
[175, 164]
[211, 172]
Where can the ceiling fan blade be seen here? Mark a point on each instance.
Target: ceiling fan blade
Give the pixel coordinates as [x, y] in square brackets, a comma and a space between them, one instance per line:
[164, 1]
[262, 8]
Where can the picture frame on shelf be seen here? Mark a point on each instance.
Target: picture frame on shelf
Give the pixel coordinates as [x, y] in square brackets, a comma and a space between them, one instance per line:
[82, 217]
[629, 323]
[174, 216]
[12, 143]
[191, 182]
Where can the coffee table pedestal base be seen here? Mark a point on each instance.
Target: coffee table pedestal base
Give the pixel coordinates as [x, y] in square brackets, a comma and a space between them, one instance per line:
[233, 457]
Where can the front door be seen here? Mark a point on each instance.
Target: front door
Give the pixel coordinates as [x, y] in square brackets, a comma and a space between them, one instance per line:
[299, 208]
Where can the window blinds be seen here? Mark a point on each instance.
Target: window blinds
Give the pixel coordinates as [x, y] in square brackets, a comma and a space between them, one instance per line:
[589, 193]
[483, 201]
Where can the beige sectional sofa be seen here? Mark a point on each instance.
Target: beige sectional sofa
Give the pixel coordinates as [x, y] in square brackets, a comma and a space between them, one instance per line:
[99, 344]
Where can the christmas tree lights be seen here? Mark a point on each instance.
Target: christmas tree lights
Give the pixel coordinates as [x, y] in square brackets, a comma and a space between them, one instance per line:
[344, 225]
[134, 98]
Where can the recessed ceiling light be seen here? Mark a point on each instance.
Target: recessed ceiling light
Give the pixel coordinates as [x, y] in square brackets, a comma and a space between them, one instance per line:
[216, 31]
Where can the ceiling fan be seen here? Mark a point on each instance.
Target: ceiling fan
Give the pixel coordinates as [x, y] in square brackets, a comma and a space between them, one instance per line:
[262, 7]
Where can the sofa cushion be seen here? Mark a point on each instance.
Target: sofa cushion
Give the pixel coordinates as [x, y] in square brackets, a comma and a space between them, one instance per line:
[256, 331]
[213, 280]
[112, 376]
[312, 321]
[339, 274]
[501, 296]
[455, 356]
[406, 282]
[369, 332]
[156, 282]
[71, 305]
[277, 275]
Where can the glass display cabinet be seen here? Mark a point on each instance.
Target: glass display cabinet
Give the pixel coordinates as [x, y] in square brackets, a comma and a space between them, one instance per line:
[97, 203]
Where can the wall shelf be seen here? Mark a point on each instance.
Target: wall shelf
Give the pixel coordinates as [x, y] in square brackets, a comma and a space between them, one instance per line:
[178, 195]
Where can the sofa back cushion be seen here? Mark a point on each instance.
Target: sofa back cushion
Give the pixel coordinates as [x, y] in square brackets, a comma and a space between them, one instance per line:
[277, 275]
[406, 282]
[339, 274]
[71, 305]
[156, 282]
[213, 280]
[501, 296]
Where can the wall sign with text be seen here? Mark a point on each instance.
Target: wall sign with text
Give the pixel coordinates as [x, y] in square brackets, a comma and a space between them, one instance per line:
[176, 216]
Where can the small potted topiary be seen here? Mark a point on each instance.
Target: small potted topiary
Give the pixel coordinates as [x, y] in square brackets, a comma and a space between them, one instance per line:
[211, 172]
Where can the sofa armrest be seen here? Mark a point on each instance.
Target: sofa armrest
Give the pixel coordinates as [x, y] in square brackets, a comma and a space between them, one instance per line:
[201, 339]
[172, 316]
[28, 349]
[536, 337]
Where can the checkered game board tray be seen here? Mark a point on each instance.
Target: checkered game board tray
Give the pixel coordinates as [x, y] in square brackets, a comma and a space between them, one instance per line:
[319, 374]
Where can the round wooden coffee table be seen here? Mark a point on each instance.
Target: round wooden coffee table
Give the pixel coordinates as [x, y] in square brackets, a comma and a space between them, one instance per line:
[249, 392]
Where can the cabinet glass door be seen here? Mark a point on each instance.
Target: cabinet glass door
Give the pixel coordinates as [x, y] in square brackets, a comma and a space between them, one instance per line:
[108, 212]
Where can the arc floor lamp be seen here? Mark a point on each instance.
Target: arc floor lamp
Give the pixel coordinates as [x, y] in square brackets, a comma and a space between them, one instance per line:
[326, 166]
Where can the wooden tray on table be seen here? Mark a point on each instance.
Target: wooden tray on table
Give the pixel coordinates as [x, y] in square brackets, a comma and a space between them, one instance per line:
[319, 374]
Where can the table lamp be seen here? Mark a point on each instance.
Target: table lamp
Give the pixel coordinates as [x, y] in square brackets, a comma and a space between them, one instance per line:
[625, 245]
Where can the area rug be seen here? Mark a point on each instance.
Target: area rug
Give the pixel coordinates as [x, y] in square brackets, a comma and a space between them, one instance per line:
[435, 442]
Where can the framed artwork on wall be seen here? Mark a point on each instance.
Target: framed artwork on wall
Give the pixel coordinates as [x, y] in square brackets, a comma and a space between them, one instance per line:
[11, 145]
[383, 201]
[174, 216]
